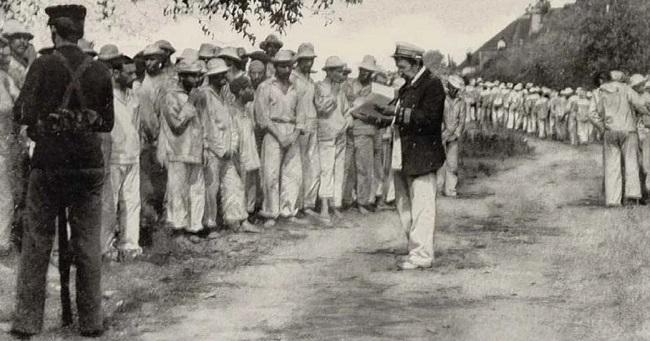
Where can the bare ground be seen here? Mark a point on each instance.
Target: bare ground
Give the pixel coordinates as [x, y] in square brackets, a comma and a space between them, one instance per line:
[526, 252]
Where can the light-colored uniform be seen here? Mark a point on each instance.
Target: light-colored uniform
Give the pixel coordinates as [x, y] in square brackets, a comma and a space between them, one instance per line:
[152, 173]
[250, 157]
[572, 120]
[644, 140]
[125, 169]
[616, 107]
[529, 104]
[364, 136]
[281, 167]
[185, 179]
[220, 150]
[452, 131]
[308, 141]
[583, 126]
[333, 120]
[8, 95]
[541, 111]
[516, 101]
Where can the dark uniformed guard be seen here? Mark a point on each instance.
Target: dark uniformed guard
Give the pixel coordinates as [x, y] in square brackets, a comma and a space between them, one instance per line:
[66, 100]
[419, 115]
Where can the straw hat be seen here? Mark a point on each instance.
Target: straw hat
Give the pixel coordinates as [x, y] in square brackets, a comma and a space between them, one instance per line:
[216, 66]
[456, 81]
[185, 66]
[283, 57]
[207, 51]
[306, 50]
[190, 55]
[333, 62]
[109, 52]
[406, 50]
[369, 63]
[153, 50]
[637, 79]
[229, 53]
[166, 46]
[271, 39]
[13, 28]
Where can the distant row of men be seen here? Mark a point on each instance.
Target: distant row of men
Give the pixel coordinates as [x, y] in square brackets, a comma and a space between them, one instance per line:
[615, 112]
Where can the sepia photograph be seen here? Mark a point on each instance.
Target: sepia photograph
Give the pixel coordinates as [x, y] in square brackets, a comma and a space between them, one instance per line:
[287, 170]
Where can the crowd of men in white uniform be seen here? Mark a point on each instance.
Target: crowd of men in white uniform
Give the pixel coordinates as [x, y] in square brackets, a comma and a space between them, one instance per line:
[614, 113]
[221, 138]
[225, 138]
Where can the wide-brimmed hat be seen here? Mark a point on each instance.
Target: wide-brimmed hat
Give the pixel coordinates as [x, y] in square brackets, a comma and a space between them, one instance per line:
[13, 28]
[88, 47]
[456, 81]
[185, 66]
[406, 50]
[153, 50]
[306, 50]
[229, 53]
[216, 66]
[283, 57]
[637, 79]
[346, 69]
[207, 51]
[519, 87]
[189, 55]
[369, 63]
[166, 46]
[271, 39]
[333, 62]
[241, 52]
[109, 52]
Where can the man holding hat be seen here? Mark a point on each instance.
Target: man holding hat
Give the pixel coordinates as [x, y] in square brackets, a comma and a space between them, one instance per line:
[333, 121]
[301, 78]
[452, 132]
[277, 114]
[419, 153]
[363, 132]
[124, 160]
[271, 45]
[67, 170]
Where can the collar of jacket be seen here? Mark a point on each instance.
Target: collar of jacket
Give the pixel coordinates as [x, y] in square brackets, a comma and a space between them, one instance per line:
[419, 76]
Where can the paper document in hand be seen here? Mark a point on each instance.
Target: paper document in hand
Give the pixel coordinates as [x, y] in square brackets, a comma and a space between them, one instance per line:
[379, 95]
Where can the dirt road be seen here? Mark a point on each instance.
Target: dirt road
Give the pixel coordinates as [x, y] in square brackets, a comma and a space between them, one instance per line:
[528, 254]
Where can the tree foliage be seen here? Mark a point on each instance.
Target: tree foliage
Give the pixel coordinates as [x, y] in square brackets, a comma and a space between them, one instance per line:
[240, 14]
[590, 36]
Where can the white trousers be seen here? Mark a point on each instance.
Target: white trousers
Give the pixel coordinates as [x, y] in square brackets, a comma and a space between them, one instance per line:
[185, 196]
[447, 175]
[125, 182]
[416, 206]
[282, 176]
[620, 151]
[332, 163]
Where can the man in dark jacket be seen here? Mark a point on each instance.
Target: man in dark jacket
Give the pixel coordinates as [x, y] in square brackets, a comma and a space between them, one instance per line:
[419, 114]
[67, 169]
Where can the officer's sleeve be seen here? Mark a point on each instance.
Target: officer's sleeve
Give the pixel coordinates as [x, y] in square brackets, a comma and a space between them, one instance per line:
[26, 108]
[432, 106]
[105, 105]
